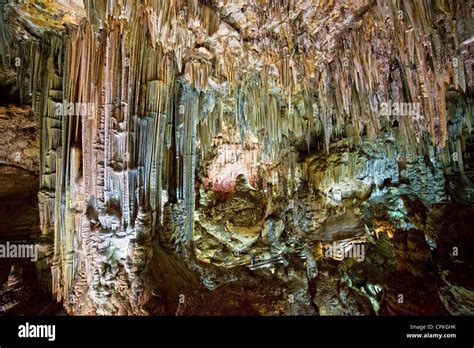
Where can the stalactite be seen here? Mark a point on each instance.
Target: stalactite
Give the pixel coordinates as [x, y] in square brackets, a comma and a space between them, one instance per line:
[191, 105]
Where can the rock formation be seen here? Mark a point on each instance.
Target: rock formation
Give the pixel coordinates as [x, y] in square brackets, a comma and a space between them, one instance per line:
[236, 157]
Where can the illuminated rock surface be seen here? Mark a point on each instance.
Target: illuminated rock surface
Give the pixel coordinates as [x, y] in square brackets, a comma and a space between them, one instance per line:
[238, 157]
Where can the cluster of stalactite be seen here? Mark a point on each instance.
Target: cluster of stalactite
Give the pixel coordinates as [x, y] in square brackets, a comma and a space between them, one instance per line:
[386, 51]
[102, 168]
[157, 82]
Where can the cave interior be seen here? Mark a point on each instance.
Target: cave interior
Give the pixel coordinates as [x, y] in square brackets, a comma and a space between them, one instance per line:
[237, 157]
